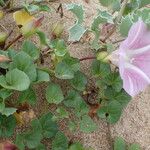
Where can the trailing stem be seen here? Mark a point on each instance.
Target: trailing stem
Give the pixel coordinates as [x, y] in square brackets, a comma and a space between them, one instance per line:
[87, 58]
[13, 41]
[118, 19]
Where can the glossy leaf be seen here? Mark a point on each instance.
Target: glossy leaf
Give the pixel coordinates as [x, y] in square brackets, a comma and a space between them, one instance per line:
[42, 76]
[64, 71]
[77, 9]
[60, 142]
[24, 62]
[111, 112]
[59, 47]
[28, 96]
[119, 144]
[122, 97]
[114, 81]
[100, 69]
[54, 94]
[87, 125]
[7, 125]
[16, 80]
[79, 81]
[125, 25]
[76, 32]
[31, 49]
[49, 127]
[74, 100]
[134, 147]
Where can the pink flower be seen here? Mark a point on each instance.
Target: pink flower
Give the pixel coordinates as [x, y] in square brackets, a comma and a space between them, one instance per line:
[134, 59]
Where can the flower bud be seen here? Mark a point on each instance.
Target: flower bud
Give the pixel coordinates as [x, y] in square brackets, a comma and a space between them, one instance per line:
[1, 14]
[103, 56]
[3, 37]
[57, 29]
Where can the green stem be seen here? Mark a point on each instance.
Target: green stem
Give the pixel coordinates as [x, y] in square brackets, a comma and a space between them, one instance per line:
[118, 19]
[21, 7]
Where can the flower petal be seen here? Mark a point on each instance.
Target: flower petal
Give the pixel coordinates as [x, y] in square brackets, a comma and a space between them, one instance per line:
[22, 17]
[142, 61]
[134, 80]
[138, 36]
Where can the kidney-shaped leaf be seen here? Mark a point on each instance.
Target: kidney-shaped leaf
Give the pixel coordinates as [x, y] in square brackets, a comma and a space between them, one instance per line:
[49, 127]
[60, 142]
[16, 80]
[54, 94]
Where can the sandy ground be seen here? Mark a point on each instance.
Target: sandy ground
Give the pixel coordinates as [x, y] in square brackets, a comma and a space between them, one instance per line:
[134, 124]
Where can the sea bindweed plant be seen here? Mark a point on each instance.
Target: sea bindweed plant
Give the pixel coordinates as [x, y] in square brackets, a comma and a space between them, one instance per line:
[119, 70]
[133, 59]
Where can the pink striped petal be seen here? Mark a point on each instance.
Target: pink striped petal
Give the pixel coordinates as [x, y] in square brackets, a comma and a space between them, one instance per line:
[142, 61]
[138, 36]
[133, 82]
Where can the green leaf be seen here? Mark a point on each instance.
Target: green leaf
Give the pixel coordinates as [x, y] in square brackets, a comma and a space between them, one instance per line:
[41, 147]
[2, 106]
[54, 94]
[144, 14]
[107, 3]
[31, 7]
[60, 142]
[125, 25]
[4, 93]
[61, 113]
[44, 8]
[101, 18]
[74, 100]
[7, 125]
[87, 125]
[24, 62]
[8, 111]
[64, 71]
[74, 63]
[77, 9]
[42, 76]
[36, 126]
[28, 96]
[76, 32]
[43, 38]
[32, 139]
[134, 147]
[111, 112]
[2, 3]
[72, 126]
[4, 65]
[105, 17]
[20, 142]
[122, 97]
[49, 127]
[30, 49]
[79, 81]
[100, 69]
[16, 80]
[144, 2]
[119, 144]
[76, 146]
[60, 47]
[114, 81]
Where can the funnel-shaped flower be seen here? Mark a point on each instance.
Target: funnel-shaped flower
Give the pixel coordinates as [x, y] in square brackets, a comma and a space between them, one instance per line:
[27, 22]
[134, 59]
